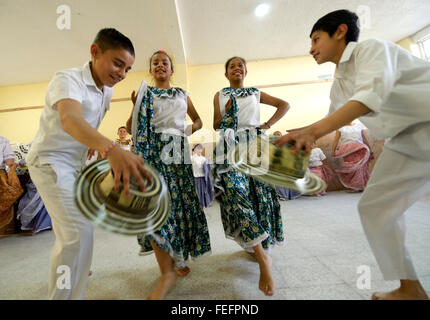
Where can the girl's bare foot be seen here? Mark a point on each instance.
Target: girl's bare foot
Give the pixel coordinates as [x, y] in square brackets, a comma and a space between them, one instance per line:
[266, 283]
[166, 282]
[409, 290]
[182, 272]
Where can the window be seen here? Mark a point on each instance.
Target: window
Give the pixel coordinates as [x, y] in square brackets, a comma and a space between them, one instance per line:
[422, 38]
[425, 48]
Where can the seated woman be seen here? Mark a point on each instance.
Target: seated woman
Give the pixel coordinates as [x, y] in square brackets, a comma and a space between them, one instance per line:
[10, 187]
[353, 155]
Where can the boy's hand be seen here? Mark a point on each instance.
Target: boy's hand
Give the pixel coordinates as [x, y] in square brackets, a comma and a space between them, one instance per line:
[91, 153]
[124, 163]
[303, 138]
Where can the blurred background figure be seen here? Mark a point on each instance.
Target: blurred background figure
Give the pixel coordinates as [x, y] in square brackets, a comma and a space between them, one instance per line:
[10, 187]
[122, 139]
[201, 170]
[353, 155]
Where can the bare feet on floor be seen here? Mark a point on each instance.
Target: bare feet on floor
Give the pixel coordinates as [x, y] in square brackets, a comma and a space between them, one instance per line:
[166, 282]
[266, 283]
[182, 272]
[410, 290]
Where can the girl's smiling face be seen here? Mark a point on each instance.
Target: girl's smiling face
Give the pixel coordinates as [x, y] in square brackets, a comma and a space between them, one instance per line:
[161, 68]
[236, 70]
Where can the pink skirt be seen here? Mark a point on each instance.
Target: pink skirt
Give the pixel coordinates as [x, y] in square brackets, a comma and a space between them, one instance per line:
[353, 170]
[323, 172]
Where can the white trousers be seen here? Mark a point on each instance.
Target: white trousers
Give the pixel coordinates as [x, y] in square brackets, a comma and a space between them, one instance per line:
[397, 182]
[72, 252]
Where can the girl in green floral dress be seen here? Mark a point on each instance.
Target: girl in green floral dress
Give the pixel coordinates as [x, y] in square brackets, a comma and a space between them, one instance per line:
[250, 210]
[161, 141]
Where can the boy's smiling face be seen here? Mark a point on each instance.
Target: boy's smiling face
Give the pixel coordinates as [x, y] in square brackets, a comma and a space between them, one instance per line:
[326, 48]
[111, 66]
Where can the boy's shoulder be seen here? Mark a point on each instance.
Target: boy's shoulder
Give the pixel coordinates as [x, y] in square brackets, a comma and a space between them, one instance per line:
[77, 77]
[376, 44]
[76, 73]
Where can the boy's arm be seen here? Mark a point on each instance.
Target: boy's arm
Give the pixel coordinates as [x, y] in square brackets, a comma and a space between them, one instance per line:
[122, 163]
[335, 143]
[305, 137]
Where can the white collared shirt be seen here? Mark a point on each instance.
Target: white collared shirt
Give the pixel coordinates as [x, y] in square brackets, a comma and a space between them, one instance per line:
[198, 165]
[316, 157]
[351, 134]
[52, 144]
[394, 84]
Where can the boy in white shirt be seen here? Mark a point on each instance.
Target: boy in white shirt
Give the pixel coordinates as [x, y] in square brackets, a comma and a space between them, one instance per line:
[76, 102]
[388, 89]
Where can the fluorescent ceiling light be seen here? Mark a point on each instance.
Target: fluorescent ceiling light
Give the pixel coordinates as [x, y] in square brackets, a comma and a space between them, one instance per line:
[262, 9]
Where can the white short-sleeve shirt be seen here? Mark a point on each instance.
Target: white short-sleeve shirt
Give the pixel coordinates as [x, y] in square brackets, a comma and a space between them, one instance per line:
[316, 157]
[395, 85]
[52, 144]
[249, 109]
[198, 165]
[351, 134]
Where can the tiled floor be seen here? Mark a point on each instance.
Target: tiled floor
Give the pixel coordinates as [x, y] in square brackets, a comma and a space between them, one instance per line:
[324, 248]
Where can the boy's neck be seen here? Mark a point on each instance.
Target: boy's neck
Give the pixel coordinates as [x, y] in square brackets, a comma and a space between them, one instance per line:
[340, 51]
[97, 81]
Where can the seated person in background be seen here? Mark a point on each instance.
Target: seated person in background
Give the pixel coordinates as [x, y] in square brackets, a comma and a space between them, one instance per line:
[353, 151]
[318, 166]
[10, 187]
[122, 140]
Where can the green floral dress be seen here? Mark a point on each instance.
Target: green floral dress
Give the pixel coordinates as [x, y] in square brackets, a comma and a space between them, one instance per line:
[250, 210]
[185, 233]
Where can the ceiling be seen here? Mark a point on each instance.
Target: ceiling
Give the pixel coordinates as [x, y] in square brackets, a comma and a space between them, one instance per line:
[192, 31]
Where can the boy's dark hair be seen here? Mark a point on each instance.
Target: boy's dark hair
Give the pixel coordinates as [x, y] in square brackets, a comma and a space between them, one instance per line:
[229, 60]
[162, 52]
[330, 22]
[122, 127]
[110, 38]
